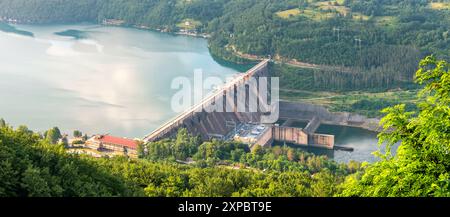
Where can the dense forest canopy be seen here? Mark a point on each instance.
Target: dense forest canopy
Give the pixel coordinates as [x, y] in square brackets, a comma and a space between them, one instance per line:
[371, 44]
[32, 166]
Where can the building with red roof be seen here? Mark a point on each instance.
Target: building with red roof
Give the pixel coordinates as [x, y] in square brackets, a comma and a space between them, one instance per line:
[107, 143]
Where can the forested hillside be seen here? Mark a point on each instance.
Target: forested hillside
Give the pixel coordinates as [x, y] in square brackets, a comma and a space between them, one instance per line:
[358, 44]
[32, 166]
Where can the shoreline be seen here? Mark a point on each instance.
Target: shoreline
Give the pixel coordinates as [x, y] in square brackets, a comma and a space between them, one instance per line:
[120, 23]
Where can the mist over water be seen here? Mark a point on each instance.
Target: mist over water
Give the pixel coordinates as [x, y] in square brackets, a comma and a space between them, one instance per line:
[117, 80]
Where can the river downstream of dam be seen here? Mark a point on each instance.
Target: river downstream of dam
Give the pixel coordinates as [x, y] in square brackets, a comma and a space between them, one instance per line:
[114, 80]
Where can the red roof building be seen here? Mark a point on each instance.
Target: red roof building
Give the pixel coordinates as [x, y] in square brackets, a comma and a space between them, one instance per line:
[129, 143]
[111, 143]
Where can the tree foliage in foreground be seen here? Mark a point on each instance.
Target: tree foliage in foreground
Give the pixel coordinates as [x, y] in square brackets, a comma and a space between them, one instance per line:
[421, 166]
[31, 166]
[214, 153]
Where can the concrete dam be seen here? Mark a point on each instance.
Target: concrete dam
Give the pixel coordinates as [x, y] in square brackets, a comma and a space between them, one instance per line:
[235, 124]
[210, 125]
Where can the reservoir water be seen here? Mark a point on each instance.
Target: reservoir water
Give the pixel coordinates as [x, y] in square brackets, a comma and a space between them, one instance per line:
[113, 80]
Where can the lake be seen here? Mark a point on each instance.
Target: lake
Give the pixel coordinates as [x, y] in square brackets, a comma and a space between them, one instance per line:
[94, 78]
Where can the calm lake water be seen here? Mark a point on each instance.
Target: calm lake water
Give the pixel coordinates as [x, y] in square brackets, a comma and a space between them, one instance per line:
[110, 80]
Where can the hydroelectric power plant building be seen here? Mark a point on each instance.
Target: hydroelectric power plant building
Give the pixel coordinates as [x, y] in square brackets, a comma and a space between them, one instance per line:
[246, 127]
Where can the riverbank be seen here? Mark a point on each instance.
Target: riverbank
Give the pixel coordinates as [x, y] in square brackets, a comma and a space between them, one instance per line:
[185, 32]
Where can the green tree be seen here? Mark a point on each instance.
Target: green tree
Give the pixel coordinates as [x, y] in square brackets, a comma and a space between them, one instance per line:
[30, 166]
[421, 165]
[77, 134]
[208, 150]
[24, 129]
[181, 148]
[35, 184]
[85, 137]
[291, 155]
[237, 154]
[53, 135]
[64, 141]
[324, 184]
[2, 123]
[258, 150]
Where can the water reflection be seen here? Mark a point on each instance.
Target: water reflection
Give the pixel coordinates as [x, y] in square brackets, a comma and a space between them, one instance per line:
[116, 81]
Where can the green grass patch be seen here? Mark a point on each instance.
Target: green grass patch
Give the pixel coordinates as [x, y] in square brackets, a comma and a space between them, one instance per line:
[287, 14]
[359, 16]
[189, 24]
[334, 2]
[385, 20]
[359, 102]
[318, 15]
[333, 6]
[317, 11]
[440, 5]
[303, 95]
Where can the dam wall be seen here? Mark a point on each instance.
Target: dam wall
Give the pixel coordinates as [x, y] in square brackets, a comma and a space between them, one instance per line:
[205, 121]
[295, 136]
[202, 120]
[290, 135]
[265, 140]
